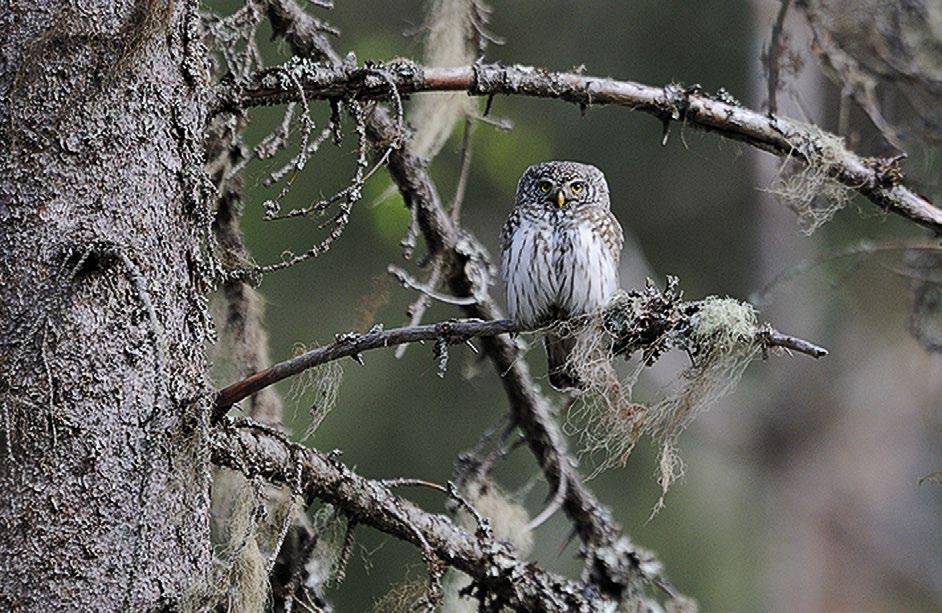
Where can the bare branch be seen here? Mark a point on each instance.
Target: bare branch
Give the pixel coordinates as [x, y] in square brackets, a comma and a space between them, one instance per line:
[350, 345]
[773, 338]
[494, 567]
[875, 179]
[406, 280]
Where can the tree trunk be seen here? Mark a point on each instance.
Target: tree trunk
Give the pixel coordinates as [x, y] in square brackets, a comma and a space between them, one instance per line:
[103, 279]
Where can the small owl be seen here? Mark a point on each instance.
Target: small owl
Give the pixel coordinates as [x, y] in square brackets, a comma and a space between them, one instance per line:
[559, 253]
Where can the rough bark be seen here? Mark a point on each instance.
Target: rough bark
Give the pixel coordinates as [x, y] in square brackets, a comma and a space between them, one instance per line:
[103, 452]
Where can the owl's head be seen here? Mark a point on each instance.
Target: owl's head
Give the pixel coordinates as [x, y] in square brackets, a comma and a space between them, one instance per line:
[562, 185]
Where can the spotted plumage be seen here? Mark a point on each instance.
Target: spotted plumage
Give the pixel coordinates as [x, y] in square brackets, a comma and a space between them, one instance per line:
[559, 252]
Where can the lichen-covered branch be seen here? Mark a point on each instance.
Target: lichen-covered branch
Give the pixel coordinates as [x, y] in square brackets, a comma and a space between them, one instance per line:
[879, 180]
[500, 577]
[648, 328]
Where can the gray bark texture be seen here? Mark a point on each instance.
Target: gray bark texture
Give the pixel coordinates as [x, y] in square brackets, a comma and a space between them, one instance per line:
[103, 278]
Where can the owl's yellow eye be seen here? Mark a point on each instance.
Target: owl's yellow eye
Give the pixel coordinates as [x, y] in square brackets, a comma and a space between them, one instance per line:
[545, 186]
[577, 187]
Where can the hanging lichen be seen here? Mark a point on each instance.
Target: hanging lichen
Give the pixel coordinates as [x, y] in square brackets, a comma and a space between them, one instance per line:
[249, 523]
[811, 189]
[721, 344]
[405, 596]
[606, 418]
[719, 334]
[509, 521]
[452, 38]
[318, 386]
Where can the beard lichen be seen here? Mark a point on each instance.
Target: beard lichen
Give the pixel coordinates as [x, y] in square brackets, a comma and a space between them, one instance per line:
[721, 343]
[605, 417]
[325, 565]
[322, 385]
[247, 574]
[248, 526]
[405, 596]
[813, 192]
[451, 39]
[719, 335]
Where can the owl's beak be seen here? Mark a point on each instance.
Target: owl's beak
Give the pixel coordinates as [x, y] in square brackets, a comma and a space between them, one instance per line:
[560, 198]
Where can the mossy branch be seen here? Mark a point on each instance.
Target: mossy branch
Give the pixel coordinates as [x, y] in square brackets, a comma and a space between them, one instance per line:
[496, 569]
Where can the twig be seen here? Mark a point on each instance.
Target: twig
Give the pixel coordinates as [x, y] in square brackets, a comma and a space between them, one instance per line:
[404, 482]
[465, 172]
[557, 501]
[428, 290]
[348, 196]
[772, 338]
[417, 309]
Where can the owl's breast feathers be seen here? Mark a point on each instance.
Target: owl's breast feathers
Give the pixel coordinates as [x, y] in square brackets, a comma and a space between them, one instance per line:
[559, 264]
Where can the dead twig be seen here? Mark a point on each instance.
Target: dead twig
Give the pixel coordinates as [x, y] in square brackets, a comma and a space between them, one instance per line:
[774, 55]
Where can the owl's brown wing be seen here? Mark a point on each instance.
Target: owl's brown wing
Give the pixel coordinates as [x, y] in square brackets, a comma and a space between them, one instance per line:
[607, 226]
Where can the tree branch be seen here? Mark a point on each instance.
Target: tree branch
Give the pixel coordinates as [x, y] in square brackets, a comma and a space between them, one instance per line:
[878, 180]
[351, 345]
[454, 331]
[493, 566]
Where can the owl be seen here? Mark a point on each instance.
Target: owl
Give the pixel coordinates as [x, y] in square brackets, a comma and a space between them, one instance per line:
[560, 249]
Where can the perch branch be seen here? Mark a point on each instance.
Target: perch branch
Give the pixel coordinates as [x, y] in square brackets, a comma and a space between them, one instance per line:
[455, 331]
[875, 179]
[493, 566]
[350, 346]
